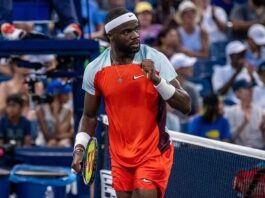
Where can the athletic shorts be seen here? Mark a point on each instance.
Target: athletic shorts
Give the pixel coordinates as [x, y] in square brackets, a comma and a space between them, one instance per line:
[152, 174]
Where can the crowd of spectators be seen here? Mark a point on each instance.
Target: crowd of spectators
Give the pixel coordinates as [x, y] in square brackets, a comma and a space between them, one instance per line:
[216, 47]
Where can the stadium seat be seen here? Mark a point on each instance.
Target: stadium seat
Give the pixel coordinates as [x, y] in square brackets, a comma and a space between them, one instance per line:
[217, 50]
[203, 68]
[203, 85]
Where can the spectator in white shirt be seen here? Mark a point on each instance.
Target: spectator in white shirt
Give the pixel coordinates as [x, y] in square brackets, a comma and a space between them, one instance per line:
[259, 91]
[236, 68]
[247, 121]
[213, 20]
[256, 42]
[194, 40]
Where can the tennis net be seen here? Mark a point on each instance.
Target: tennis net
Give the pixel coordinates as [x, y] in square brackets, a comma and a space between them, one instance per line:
[207, 168]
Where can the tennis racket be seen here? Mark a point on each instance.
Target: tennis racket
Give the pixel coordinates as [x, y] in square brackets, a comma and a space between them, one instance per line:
[89, 161]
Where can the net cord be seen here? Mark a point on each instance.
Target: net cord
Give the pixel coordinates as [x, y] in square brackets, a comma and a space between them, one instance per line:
[217, 145]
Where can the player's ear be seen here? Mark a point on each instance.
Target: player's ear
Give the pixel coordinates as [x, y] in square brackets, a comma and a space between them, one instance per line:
[109, 36]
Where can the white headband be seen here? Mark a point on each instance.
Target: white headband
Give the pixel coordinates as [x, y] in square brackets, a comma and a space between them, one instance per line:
[120, 20]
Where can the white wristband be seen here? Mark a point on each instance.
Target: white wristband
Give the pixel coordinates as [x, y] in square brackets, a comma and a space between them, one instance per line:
[165, 89]
[82, 138]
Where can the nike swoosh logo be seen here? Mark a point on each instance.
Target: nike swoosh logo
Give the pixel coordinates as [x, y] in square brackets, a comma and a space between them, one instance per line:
[136, 77]
[146, 180]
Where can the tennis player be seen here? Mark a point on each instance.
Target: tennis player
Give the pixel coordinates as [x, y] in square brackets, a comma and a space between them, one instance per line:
[136, 81]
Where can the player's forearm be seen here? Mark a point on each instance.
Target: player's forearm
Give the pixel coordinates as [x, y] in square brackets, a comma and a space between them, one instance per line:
[174, 94]
[88, 124]
[86, 130]
[180, 101]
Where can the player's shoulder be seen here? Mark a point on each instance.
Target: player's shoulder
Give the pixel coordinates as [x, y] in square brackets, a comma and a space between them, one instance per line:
[98, 63]
[102, 60]
[150, 52]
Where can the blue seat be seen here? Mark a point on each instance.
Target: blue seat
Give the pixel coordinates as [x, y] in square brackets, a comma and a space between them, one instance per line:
[217, 50]
[203, 68]
[203, 85]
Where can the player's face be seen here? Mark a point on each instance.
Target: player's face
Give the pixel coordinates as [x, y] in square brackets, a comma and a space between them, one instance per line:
[126, 37]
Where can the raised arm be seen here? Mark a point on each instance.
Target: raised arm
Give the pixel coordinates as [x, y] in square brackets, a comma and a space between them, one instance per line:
[171, 92]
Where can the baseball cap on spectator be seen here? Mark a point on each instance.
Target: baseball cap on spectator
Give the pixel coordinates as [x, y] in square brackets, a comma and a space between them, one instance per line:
[243, 83]
[235, 47]
[57, 87]
[180, 60]
[143, 7]
[187, 6]
[257, 33]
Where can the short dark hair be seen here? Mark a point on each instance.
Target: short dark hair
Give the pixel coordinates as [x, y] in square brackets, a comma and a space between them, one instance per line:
[114, 13]
[16, 98]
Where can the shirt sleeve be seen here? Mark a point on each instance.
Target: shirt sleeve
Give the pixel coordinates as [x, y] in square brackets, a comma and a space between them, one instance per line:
[166, 69]
[162, 64]
[88, 80]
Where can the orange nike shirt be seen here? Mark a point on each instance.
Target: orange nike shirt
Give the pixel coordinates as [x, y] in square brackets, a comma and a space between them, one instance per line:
[136, 112]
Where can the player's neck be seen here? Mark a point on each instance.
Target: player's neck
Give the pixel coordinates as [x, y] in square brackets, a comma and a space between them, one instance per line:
[120, 58]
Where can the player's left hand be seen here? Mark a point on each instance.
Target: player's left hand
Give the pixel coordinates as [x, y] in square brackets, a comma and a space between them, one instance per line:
[149, 70]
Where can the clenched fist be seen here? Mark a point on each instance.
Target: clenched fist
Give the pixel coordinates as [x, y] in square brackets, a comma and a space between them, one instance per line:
[149, 70]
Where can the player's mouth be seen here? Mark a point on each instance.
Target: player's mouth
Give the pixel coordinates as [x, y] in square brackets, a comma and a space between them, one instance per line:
[135, 44]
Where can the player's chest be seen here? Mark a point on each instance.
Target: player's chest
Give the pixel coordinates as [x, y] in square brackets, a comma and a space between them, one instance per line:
[125, 80]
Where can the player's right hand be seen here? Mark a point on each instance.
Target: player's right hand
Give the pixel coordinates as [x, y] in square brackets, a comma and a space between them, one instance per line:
[77, 160]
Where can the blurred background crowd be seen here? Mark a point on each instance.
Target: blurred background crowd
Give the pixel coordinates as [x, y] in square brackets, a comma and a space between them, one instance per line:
[215, 46]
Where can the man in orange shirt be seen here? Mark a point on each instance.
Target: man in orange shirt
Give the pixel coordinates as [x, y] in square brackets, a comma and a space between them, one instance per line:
[136, 81]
